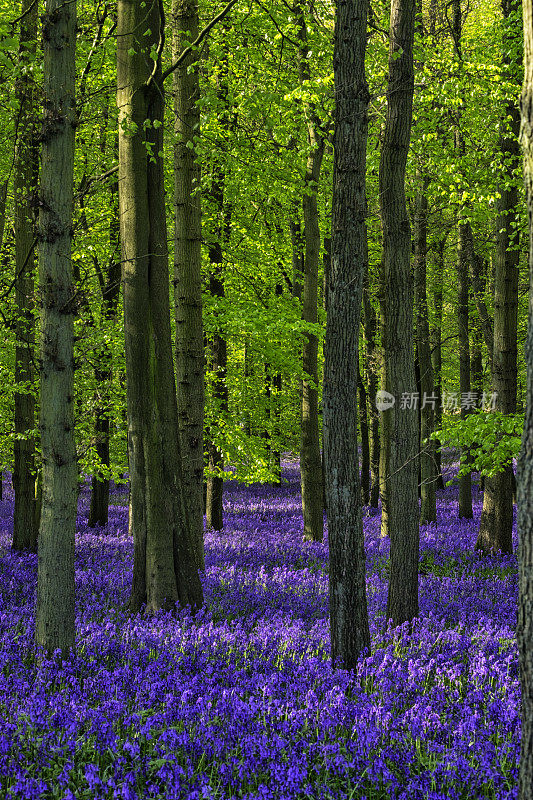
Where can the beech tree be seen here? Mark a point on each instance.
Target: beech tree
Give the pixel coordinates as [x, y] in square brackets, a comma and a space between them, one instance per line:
[187, 270]
[496, 525]
[54, 612]
[25, 187]
[525, 464]
[164, 569]
[400, 425]
[347, 586]
[310, 458]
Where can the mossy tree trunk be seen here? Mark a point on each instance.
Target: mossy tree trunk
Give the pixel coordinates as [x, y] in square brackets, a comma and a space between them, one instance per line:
[54, 613]
[165, 569]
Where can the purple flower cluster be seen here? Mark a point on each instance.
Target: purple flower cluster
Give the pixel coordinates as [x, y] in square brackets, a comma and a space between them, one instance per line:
[241, 701]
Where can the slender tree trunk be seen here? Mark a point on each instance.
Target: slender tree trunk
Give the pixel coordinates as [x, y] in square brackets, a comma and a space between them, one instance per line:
[365, 443]
[436, 355]
[428, 473]
[496, 525]
[372, 373]
[463, 247]
[54, 613]
[218, 352]
[164, 569]
[479, 280]
[310, 457]
[347, 587]
[25, 184]
[400, 425]
[525, 464]
[99, 508]
[188, 271]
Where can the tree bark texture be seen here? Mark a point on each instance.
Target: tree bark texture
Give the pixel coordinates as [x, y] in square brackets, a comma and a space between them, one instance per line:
[350, 635]
[372, 368]
[496, 524]
[310, 457]
[365, 443]
[25, 186]
[187, 271]
[463, 284]
[164, 570]
[54, 613]
[436, 353]
[428, 471]
[400, 426]
[525, 463]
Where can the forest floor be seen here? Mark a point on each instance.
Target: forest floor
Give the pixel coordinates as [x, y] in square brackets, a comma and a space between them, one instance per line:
[241, 701]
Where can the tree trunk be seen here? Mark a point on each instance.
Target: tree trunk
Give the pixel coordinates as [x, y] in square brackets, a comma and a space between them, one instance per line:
[25, 185]
[347, 587]
[54, 613]
[496, 524]
[310, 457]
[400, 425]
[436, 355]
[99, 508]
[371, 372]
[463, 244]
[428, 473]
[365, 444]
[217, 345]
[164, 569]
[188, 271]
[525, 464]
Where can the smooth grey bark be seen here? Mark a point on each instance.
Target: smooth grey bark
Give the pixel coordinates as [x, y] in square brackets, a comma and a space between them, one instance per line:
[496, 524]
[350, 635]
[400, 426]
[310, 457]
[187, 270]
[26, 173]
[164, 569]
[525, 464]
[54, 612]
[428, 467]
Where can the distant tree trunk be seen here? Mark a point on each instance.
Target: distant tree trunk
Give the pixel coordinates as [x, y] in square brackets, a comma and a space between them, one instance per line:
[310, 457]
[525, 464]
[365, 444]
[164, 569]
[350, 635]
[463, 231]
[54, 612]
[436, 354]
[188, 271]
[496, 524]
[428, 474]
[479, 279]
[25, 185]
[99, 508]
[297, 255]
[218, 352]
[371, 373]
[276, 408]
[400, 426]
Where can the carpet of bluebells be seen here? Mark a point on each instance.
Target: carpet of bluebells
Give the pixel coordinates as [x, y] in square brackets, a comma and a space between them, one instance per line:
[241, 701]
